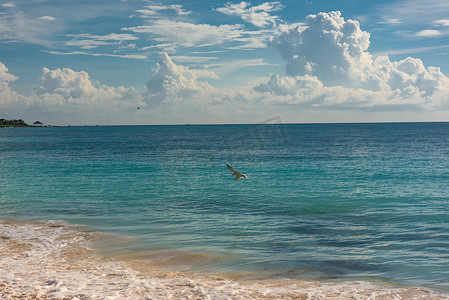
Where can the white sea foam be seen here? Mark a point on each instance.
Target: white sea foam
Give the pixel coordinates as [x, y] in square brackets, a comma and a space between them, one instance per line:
[53, 260]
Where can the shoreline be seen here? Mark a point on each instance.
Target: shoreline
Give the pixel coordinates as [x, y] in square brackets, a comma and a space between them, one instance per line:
[50, 260]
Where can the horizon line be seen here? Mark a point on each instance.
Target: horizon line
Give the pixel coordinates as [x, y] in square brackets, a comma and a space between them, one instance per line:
[240, 124]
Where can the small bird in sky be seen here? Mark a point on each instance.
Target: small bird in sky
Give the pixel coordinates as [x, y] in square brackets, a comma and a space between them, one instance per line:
[237, 174]
[138, 107]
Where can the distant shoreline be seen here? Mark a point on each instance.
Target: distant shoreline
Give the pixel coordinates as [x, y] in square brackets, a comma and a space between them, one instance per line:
[246, 124]
[13, 123]
[22, 123]
[8, 124]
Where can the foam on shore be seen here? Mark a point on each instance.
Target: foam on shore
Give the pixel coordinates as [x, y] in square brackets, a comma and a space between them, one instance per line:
[44, 260]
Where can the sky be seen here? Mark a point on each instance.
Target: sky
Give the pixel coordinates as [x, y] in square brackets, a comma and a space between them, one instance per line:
[124, 62]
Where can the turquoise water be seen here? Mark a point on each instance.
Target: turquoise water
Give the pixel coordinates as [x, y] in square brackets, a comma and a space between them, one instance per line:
[322, 201]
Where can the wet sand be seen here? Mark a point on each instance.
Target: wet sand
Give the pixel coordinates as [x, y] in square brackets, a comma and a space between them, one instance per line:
[43, 260]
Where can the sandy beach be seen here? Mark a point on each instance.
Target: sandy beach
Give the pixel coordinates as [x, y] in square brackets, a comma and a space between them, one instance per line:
[60, 261]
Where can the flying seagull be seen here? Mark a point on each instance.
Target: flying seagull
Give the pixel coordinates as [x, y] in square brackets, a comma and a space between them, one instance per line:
[237, 174]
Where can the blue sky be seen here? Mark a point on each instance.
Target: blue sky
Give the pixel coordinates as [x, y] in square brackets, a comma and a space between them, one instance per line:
[95, 62]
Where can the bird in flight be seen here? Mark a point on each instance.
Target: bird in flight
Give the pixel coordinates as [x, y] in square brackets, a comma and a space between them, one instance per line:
[237, 174]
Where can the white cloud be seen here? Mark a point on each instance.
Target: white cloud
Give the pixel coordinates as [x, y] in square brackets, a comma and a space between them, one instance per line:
[168, 32]
[66, 83]
[257, 15]
[128, 56]
[418, 19]
[108, 37]
[252, 40]
[329, 47]
[390, 21]
[44, 23]
[411, 72]
[87, 44]
[417, 11]
[174, 83]
[153, 10]
[309, 93]
[328, 64]
[18, 26]
[90, 41]
[411, 50]
[47, 18]
[175, 90]
[68, 86]
[441, 30]
[188, 34]
[328, 67]
[238, 64]
[444, 23]
[68, 96]
[193, 59]
[7, 95]
[9, 4]
[429, 33]
[5, 77]
[297, 89]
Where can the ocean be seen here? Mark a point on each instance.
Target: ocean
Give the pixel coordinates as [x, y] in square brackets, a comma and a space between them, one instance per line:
[322, 202]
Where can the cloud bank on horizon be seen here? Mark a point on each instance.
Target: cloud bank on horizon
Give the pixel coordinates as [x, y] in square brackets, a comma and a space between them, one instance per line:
[328, 70]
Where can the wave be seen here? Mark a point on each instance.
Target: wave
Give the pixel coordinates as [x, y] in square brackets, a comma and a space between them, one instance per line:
[58, 260]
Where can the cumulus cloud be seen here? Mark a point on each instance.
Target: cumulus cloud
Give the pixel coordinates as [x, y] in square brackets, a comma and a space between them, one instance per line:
[65, 95]
[180, 94]
[7, 95]
[329, 47]
[327, 65]
[329, 56]
[5, 77]
[175, 83]
[257, 15]
[65, 86]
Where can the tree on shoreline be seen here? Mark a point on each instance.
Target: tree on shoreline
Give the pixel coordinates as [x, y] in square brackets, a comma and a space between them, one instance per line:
[13, 123]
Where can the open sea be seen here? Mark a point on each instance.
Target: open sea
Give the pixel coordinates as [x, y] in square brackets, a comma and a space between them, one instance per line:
[327, 202]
